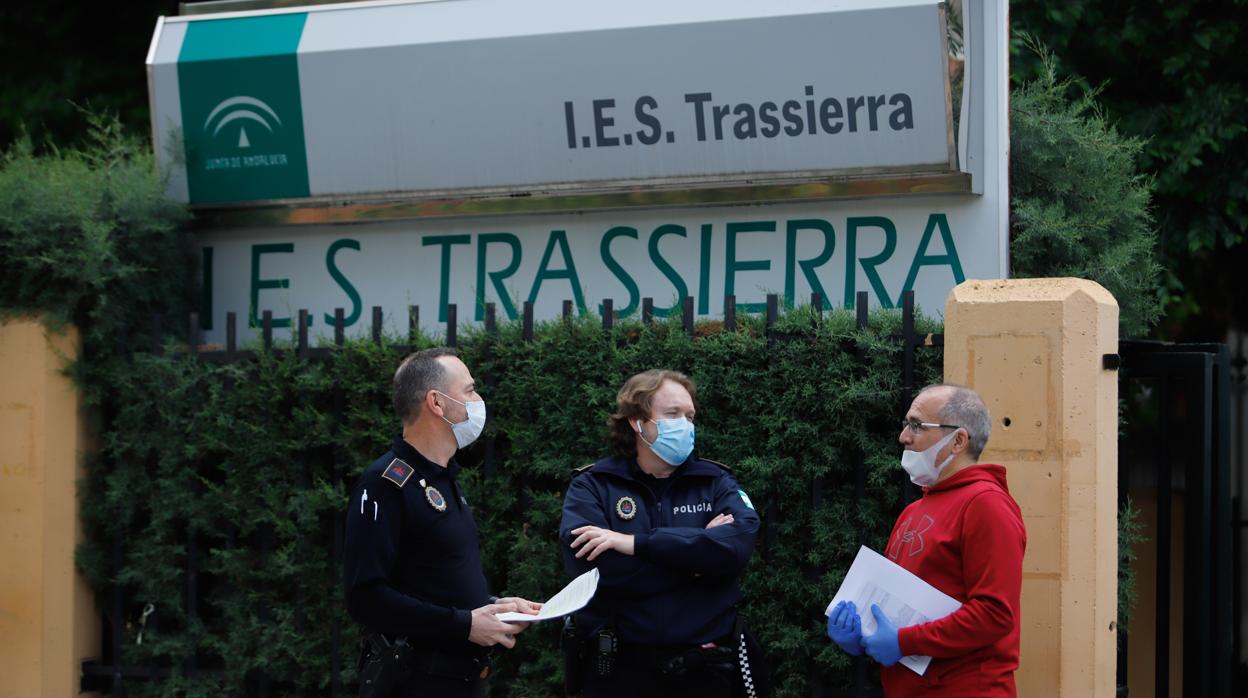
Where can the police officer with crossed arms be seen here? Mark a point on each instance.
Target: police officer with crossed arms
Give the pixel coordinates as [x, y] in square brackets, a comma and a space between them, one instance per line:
[412, 561]
[670, 534]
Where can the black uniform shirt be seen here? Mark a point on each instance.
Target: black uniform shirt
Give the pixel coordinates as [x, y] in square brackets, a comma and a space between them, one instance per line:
[412, 558]
[680, 586]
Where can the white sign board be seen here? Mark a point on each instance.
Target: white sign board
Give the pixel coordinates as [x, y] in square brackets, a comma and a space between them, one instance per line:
[479, 96]
[883, 246]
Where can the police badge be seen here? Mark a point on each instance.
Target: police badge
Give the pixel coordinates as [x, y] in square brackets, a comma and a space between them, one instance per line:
[435, 498]
[626, 508]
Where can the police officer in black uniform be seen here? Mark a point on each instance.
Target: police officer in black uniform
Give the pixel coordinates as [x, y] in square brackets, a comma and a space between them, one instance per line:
[670, 535]
[412, 562]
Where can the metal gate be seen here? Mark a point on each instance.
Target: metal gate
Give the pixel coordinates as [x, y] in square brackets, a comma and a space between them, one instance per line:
[1174, 449]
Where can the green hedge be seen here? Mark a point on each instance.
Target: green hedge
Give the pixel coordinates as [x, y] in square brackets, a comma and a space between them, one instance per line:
[87, 236]
[253, 461]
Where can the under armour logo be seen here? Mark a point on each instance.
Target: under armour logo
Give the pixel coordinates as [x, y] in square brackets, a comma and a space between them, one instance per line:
[912, 537]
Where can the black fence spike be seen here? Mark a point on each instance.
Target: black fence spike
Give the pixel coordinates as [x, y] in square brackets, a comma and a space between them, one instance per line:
[267, 322]
[231, 334]
[303, 332]
[193, 334]
[452, 325]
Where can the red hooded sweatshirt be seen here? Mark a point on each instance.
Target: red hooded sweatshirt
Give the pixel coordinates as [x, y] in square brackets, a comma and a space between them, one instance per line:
[965, 536]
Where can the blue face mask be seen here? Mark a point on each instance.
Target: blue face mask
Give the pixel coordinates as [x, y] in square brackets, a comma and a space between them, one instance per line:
[674, 441]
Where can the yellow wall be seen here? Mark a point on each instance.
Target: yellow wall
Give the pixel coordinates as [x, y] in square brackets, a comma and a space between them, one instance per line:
[1033, 348]
[48, 622]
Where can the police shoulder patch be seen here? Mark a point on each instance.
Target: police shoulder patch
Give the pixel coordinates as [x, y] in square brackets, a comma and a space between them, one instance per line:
[397, 472]
[715, 462]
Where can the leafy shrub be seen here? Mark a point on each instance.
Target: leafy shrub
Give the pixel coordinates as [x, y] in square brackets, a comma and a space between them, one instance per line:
[1078, 203]
[87, 235]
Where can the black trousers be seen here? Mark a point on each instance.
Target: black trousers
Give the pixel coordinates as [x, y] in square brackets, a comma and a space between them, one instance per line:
[638, 675]
[429, 686]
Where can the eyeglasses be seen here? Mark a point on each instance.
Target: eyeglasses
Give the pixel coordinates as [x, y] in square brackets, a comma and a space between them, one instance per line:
[916, 427]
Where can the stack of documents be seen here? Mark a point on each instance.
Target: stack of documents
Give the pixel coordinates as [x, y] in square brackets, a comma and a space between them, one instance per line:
[903, 597]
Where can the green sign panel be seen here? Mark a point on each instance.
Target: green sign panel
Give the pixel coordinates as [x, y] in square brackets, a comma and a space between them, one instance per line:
[242, 117]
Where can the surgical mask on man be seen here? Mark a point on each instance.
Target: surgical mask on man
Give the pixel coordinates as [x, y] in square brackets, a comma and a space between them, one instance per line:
[674, 440]
[921, 465]
[468, 430]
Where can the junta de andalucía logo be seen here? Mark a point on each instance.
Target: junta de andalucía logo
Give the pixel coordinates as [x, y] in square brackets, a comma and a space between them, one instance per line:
[243, 111]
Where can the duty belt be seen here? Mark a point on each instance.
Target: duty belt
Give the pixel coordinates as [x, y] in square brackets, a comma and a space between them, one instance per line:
[453, 666]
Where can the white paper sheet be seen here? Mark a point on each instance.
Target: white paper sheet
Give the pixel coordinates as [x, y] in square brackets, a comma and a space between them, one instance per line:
[904, 598]
[570, 599]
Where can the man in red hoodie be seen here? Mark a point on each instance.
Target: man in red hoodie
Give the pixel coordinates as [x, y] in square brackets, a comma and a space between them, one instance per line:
[964, 536]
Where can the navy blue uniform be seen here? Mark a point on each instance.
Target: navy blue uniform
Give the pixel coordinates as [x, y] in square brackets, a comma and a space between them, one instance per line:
[412, 561]
[680, 587]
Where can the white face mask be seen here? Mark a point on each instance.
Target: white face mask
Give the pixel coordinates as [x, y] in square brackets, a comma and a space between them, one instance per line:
[921, 465]
[468, 430]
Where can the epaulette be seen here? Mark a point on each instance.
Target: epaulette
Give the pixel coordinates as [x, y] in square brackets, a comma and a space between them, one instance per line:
[397, 472]
[715, 462]
[582, 469]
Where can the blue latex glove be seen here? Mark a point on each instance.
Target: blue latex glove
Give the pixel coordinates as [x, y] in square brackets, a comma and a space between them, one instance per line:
[883, 646]
[845, 628]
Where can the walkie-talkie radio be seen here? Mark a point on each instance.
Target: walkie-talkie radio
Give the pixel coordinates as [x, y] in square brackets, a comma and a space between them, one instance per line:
[607, 649]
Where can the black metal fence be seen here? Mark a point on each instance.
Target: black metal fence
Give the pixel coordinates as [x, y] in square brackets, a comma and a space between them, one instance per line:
[1175, 448]
[111, 675]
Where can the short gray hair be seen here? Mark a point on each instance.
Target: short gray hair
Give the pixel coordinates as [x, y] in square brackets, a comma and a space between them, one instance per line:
[965, 408]
[416, 376]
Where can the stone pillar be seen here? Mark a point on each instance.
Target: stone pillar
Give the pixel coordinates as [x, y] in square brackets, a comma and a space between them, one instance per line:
[48, 621]
[1033, 348]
